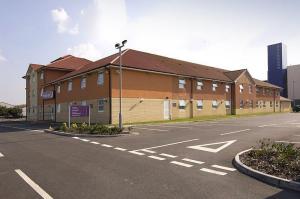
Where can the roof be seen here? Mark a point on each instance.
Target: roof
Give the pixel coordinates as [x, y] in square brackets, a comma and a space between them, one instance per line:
[7, 105]
[233, 75]
[285, 99]
[264, 84]
[35, 66]
[68, 62]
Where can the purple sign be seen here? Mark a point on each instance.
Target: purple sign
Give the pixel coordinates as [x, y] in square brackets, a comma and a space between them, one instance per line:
[79, 111]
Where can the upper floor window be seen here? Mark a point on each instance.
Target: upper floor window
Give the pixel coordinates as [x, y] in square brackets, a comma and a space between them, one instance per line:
[257, 90]
[58, 89]
[83, 83]
[42, 75]
[181, 83]
[241, 88]
[214, 86]
[100, 79]
[227, 88]
[215, 104]
[199, 104]
[250, 89]
[42, 91]
[182, 104]
[70, 85]
[199, 85]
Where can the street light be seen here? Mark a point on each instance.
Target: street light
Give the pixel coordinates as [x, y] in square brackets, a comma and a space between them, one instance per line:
[120, 46]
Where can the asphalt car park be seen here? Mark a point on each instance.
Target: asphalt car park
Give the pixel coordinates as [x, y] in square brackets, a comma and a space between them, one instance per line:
[178, 160]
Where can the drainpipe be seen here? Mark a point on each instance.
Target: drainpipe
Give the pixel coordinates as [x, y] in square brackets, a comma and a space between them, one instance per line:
[54, 95]
[191, 100]
[109, 93]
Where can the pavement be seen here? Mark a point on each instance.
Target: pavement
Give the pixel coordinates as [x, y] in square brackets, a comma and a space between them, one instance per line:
[180, 160]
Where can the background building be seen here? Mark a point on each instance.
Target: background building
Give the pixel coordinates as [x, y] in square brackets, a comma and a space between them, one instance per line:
[277, 65]
[293, 82]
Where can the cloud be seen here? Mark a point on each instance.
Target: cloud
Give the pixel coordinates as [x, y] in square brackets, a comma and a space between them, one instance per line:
[85, 50]
[2, 58]
[63, 20]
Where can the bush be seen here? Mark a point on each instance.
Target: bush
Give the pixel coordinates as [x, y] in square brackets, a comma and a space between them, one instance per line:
[279, 159]
[14, 112]
[93, 129]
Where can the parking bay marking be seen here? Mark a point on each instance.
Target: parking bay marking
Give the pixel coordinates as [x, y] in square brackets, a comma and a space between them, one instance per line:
[193, 161]
[168, 155]
[155, 147]
[233, 132]
[33, 185]
[203, 147]
[156, 157]
[120, 149]
[222, 167]
[150, 129]
[181, 164]
[213, 171]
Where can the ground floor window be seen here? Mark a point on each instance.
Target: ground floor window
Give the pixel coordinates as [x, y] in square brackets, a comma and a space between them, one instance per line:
[257, 104]
[271, 104]
[227, 104]
[277, 104]
[101, 105]
[200, 104]
[83, 103]
[241, 104]
[182, 104]
[58, 108]
[215, 104]
[264, 104]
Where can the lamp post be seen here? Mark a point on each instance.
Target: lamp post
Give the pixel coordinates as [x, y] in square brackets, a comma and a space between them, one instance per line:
[120, 46]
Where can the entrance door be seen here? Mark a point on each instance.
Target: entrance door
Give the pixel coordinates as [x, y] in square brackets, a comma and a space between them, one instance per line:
[166, 109]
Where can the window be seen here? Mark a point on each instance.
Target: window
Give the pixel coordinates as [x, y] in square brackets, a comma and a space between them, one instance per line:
[277, 104]
[257, 104]
[251, 103]
[257, 90]
[42, 91]
[42, 75]
[181, 83]
[58, 108]
[241, 104]
[267, 91]
[199, 104]
[33, 93]
[241, 88]
[101, 105]
[214, 86]
[58, 89]
[83, 83]
[70, 86]
[199, 85]
[182, 104]
[215, 104]
[264, 103]
[83, 103]
[100, 80]
[271, 104]
[227, 87]
[227, 104]
[250, 89]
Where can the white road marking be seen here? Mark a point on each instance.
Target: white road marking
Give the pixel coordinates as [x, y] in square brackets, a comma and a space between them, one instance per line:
[135, 133]
[181, 164]
[85, 140]
[22, 128]
[168, 155]
[1, 155]
[169, 144]
[193, 161]
[136, 153]
[33, 185]
[213, 171]
[222, 167]
[76, 138]
[120, 149]
[149, 129]
[95, 142]
[233, 132]
[106, 145]
[288, 142]
[169, 126]
[261, 126]
[156, 157]
[148, 151]
[291, 121]
[294, 123]
[203, 147]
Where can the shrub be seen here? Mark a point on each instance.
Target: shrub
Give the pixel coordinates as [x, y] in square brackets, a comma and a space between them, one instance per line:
[93, 129]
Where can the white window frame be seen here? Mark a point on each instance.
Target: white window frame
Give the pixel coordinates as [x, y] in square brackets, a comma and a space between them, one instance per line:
[199, 84]
[83, 83]
[58, 89]
[241, 88]
[58, 108]
[214, 86]
[83, 103]
[214, 104]
[199, 104]
[42, 91]
[100, 78]
[70, 86]
[227, 104]
[181, 83]
[181, 105]
[102, 105]
[42, 75]
[227, 88]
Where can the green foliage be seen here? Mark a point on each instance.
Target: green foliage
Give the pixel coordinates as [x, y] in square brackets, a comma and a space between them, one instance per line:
[93, 129]
[14, 112]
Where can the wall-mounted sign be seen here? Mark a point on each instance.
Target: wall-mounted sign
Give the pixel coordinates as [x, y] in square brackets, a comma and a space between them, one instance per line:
[79, 111]
[48, 95]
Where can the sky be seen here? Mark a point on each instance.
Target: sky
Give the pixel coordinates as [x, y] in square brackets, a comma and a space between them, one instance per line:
[229, 34]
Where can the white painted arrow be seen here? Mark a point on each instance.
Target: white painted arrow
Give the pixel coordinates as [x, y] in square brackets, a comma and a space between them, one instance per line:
[203, 147]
